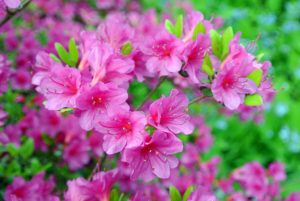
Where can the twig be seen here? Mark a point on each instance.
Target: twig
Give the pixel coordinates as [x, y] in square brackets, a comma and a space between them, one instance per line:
[98, 166]
[195, 100]
[10, 15]
[162, 79]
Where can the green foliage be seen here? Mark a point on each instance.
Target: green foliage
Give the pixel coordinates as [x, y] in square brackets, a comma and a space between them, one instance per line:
[226, 38]
[126, 48]
[198, 29]
[71, 57]
[216, 41]
[42, 37]
[253, 100]
[207, 66]
[176, 29]
[220, 43]
[256, 76]
[27, 148]
[187, 193]
[174, 194]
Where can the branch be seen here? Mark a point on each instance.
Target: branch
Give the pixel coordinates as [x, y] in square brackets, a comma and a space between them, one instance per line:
[162, 79]
[197, 99]
[98, 166]
[10, 15]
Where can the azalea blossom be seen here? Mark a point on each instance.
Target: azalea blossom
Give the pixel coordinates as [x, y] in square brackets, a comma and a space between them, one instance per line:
[35, 189]
[60, 87]
[164, 54]
[154, 156]
[76, 154]
[194, 53]
[98, 100]
[123, 129]
[12, 3]
[169, 114]
[98, 189]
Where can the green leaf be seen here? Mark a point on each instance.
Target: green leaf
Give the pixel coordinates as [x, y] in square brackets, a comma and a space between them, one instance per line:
[260, 56]
[187, 193]
[42, 37]
[199, 28]
[62, 53]
[126, 48]
[27, 148]
[12, 149]
[207, 66]
[216, 42]
[253, 100]
[169, 27]
[55, 58]
[226, 38]
[179, 26]
[174, 194]
[2, 148]
[74, 55]
[66, 110]
[13, 168]
[177, 29]
[114, 195]
[256, 76]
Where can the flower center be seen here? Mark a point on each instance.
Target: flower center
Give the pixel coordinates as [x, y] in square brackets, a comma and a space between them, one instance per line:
[127, 127]
[96, 101]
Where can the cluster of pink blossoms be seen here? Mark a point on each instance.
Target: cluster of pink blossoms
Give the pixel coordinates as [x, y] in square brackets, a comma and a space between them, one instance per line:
[96, 87]
[142, 142]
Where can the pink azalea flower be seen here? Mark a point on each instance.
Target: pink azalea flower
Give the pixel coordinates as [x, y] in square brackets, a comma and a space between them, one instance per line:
[21, 79]
[154, 156]
[168, 114]
[60, 87]
[109, 4]
[11, 134]
[274, 189]
[42, 67]
[3, 116]
[122, 129]
[201, 194]
[98, 99]
[204, 140]
[191, 155]
[96, 190]
[108, 67]
[276, 171]
[191, 21]
[237, 196]
[230, 86]
[34, 190]
[164, 54]
[194, 53]
[96, 141]
[150, 192]
[208, 172]
[293, 197]
[76, 154]
[115, 31]
[4, 73]
[50, 121]
[253, 179]
[12, 3]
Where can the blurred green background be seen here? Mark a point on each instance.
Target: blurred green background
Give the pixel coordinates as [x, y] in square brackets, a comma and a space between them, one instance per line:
[278, 137]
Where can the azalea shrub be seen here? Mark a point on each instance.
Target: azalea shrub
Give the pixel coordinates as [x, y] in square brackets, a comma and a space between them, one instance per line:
[103, 100]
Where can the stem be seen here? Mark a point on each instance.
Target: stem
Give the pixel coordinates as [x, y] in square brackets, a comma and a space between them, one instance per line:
[10, 15]
[98, 166]
[102, 161]
[162, 79]
[195, 100]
